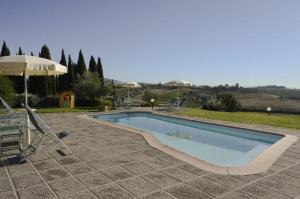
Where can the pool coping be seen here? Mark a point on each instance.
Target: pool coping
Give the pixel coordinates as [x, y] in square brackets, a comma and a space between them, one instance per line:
[259, 165]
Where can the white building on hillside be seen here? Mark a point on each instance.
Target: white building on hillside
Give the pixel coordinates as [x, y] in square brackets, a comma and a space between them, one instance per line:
[178, 83]
[129, 85]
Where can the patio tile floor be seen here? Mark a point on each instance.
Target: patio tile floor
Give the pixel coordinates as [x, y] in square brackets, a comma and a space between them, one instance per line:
[179, 174]
[46, 164]
[117, 173]
[138, 186]
[36, 192]
[8, 195]
[65, 186]
[19, 169]
[112, 191]
[26, 180]
[183, 191]
[68, 160]
[209, 187]
[112, 163]
[160, 195]
[159, 179]
[54, 174]
[5, 185]
[79, 168]
[3, 173]
[261, 192]
[93, 179]
[80, 195]
[137, 168]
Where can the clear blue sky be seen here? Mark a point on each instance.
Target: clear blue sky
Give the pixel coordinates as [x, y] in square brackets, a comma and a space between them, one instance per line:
[253, 42]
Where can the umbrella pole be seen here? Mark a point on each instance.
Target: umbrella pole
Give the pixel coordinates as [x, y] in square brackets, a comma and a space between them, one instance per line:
[26, 94]
[26, 104]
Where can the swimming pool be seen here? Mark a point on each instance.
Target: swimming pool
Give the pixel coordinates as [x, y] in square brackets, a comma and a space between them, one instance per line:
[216, 144]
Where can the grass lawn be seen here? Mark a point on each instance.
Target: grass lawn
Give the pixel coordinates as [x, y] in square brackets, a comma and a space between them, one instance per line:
[275, 119]
[65, 110]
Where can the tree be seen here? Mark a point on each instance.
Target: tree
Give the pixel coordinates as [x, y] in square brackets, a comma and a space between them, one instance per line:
[212, 103]
[19, 80]
[45, 85]
[5, 50]
[93, 65]
[20, 52]
[113, 84]
[63, 60]
[81, 67]
[88, 86]
[45, 52]
[100, 71]
[63, 79]
[230, 102]
[225, 102]
[71, 78]
[33, 81]
[7, 91]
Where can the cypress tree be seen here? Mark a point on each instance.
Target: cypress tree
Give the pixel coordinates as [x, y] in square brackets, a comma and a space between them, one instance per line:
[100, 71]
[81, 67]
[63, 60]
[45, 52]
[92, 65]
[5, 50]
[19, 81]
[20, 52]
[33, 82]
[71, 79]
[47, 84]
[19, 84]
[63, 79]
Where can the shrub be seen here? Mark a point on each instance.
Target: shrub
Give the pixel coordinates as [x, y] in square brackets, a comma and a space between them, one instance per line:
[230, 102]
[88, 86]
[35, 101]
[225, 102]
[89, 89]
[103, 103]
[80, 102]
[7, 91]
[49, 101]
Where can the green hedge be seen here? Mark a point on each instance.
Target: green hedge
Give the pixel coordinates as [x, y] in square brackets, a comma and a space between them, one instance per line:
[7, 91]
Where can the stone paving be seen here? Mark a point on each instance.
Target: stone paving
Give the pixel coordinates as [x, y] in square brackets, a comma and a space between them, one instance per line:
[112, 163]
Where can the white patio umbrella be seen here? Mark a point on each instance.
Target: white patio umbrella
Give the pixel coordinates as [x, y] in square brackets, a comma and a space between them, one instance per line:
[24, 65]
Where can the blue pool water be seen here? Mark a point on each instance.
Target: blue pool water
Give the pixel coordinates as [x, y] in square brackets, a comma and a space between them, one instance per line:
[219, 145]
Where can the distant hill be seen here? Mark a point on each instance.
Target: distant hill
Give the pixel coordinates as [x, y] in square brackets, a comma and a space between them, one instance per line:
[280, 98]
[108, 81]
[271, 87]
